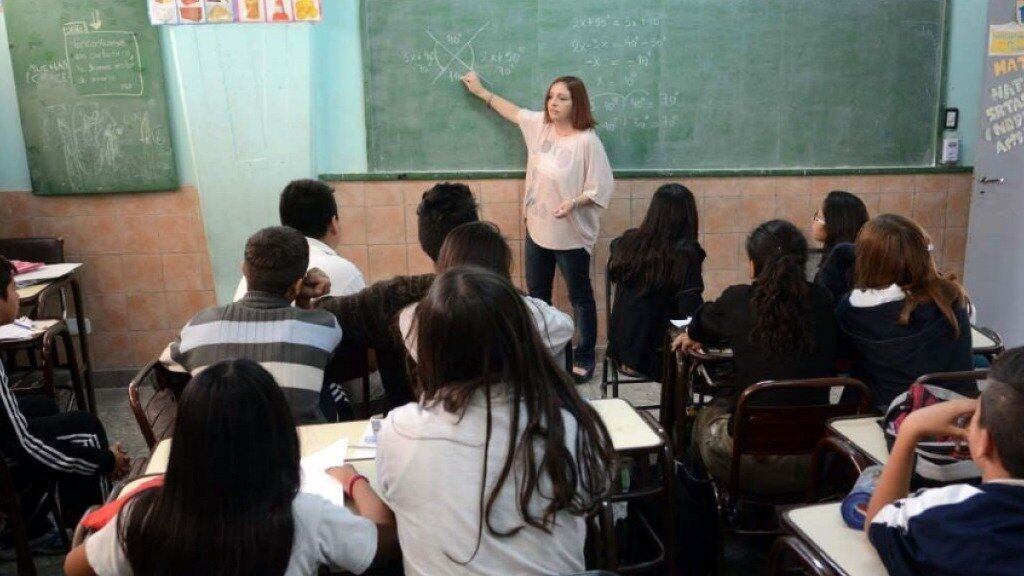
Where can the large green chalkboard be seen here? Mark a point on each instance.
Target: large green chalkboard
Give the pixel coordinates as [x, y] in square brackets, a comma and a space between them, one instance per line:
[91, 93]
[676, 84]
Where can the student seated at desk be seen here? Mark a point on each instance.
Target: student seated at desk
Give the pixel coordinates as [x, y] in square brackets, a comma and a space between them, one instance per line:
[903, 319]
[656, 271]
[959, 529]
[780, 327]
[481, 244]
[230, 503]
[496, 467]
[293, 344]
[309, 207]
[40, 442]
[836, 225]
[370, 317]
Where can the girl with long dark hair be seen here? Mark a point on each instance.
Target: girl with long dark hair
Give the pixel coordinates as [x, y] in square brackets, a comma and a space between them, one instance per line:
[903, 318]
[568, 185]
[780, 327]
[230, 503]
[496, 467]
[836, 226]
[656, 270]
[481, 244]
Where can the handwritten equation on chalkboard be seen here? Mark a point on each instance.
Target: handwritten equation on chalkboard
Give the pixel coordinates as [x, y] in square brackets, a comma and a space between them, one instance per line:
[620, 55]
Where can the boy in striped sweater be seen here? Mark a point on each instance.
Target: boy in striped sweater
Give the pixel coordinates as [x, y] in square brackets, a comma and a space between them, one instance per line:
[293, 344]
[39, 442]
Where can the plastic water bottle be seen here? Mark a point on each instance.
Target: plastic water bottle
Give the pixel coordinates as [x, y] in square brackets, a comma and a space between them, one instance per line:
[855, 505]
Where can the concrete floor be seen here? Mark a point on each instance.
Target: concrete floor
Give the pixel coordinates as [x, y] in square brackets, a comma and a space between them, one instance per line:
[742, 557]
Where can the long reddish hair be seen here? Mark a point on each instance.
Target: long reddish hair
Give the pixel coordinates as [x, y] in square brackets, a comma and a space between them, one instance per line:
[891, 250]
[582, 118]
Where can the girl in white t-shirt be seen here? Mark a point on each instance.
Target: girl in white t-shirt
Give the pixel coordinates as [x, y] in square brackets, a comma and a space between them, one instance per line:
[481, 244]
[230, 501]
[568, 184]
[495, 468]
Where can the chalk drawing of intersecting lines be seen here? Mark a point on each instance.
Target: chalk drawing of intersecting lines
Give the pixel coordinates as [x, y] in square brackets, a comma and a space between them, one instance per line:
[452, 63]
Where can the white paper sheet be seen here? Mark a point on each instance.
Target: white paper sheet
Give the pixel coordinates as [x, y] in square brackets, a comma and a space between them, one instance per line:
[315, 479]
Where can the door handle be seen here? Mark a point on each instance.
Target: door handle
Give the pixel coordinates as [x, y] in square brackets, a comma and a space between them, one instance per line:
[987, 180]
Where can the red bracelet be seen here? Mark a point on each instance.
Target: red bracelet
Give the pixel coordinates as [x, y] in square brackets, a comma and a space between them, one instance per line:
[351, 482]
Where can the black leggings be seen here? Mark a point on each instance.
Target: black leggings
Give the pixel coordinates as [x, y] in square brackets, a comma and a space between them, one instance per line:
[68, 431]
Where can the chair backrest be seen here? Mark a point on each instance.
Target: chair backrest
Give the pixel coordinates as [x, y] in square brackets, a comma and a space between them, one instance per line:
[45, 250]
[771, 430]
[153, 396]
[943, 378]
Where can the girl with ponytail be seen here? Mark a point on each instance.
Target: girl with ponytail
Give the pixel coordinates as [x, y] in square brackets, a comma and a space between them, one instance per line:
[780, 327]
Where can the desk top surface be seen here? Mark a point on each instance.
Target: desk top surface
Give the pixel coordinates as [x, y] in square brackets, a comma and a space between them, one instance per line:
[865, 434]
[628, 430]
[312, 438]
[823, 528]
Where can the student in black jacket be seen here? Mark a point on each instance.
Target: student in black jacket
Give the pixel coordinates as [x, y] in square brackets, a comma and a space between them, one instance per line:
[38, 441]
[780, 327]
[656, 270]
[903, 319]
[836, 225]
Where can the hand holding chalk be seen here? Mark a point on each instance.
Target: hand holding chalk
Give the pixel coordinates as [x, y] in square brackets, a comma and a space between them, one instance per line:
[472, 82]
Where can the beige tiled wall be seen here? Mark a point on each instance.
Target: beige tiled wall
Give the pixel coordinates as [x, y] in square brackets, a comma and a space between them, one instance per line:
[379, 221]
[147, 269]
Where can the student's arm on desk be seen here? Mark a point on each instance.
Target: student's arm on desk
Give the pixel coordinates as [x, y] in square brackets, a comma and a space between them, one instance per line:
[932, 422]
[370, 506]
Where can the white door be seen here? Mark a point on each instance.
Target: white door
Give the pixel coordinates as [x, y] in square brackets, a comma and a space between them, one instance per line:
[995, 244]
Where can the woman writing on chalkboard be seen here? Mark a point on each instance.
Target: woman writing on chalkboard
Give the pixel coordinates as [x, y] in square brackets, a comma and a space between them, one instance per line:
[568, 184]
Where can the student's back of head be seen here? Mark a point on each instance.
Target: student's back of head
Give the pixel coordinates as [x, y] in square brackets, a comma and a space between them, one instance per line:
[309, 207]
[443, 207]
[893, 250]
[778, 254]
[476, 244]
[275, 260]
[842, 216]
[650, 255]
[8, 292]
[1001, 414]
[226, 504]
[474, 335]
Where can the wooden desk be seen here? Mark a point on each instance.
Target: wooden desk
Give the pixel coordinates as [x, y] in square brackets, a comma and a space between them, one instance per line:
[985, 342]
[626, 427]
[864, 433]
[311, 438]
[31, 298]
[845, 550]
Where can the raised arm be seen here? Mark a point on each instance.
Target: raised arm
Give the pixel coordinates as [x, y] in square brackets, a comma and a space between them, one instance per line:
[506, 109]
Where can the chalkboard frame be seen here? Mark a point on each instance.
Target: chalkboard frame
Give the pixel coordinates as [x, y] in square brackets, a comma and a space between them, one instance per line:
[151, 70]
[933, 168]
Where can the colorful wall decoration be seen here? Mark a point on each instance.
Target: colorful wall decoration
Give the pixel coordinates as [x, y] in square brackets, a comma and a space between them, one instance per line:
[165, 12]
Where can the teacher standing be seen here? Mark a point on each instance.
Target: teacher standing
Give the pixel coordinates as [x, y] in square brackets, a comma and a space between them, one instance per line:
[568, 183]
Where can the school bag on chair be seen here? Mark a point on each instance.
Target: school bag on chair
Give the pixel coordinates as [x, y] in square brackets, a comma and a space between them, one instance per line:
[939, 460]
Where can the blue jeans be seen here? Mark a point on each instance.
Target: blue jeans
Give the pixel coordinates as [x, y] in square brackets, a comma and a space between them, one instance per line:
[575, 266]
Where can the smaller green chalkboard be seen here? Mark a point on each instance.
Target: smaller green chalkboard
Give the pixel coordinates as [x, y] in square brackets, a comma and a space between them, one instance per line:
[91, 94]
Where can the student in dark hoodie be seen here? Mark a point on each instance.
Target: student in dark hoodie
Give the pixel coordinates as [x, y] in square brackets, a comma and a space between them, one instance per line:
[902, 319]
[780, 327]
[656, 269]
[836, 225]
